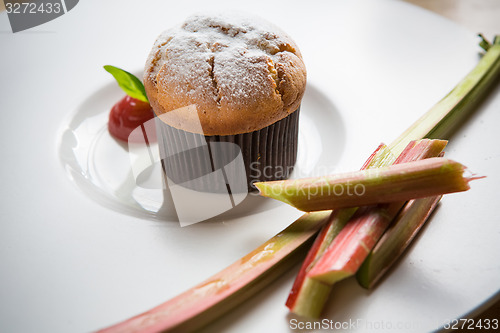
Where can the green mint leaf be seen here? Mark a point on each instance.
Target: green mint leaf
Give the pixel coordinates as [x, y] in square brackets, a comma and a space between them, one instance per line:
[128, 82]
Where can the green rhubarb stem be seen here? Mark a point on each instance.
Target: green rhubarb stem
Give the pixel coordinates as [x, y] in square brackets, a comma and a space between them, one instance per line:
[205, 302]
[399, 182]
[442, 119]
[395, 240]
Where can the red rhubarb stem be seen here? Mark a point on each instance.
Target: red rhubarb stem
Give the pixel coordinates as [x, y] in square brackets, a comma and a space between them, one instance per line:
[203, 303]
[395, 240]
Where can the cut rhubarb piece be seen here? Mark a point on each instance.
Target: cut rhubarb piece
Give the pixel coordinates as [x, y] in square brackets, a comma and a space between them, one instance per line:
[375, 222]
[223, 291]
[445, 116]
[395, 240]
[308, 296]
[439, 121]
[399, 182]
[349, 249]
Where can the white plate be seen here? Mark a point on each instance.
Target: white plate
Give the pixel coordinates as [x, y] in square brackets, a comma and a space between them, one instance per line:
[71, 261]
[101, 165]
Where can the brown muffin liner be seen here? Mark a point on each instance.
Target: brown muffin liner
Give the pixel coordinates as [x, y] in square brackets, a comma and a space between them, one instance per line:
[267, 154]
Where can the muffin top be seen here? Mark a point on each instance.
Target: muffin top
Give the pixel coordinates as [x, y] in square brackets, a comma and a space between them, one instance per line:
[236, 74]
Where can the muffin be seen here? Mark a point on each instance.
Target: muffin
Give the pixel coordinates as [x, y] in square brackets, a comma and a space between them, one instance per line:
[225, 87]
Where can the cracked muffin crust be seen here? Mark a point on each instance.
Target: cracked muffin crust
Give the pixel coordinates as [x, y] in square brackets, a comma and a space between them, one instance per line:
[242, 74]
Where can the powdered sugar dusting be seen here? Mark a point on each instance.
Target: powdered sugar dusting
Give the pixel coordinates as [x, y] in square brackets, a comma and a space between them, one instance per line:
[228, 58]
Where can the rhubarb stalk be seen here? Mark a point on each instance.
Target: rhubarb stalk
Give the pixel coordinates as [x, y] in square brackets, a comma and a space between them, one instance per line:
[395, 240]
[203, 303]
[399, 182]
[440, 121]
[308, 295]
[352, 245]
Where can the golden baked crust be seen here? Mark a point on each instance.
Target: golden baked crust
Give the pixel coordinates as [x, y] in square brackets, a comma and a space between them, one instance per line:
[241, 73]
